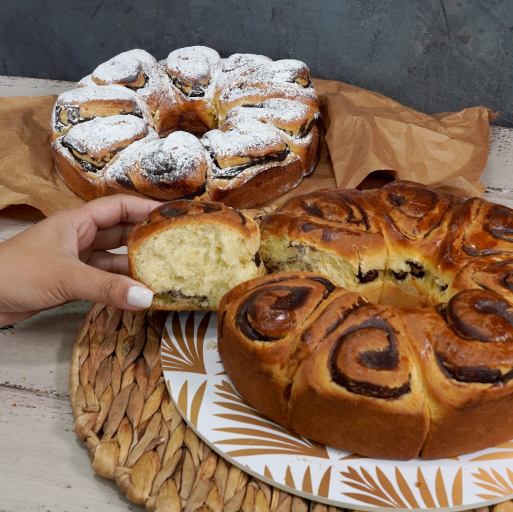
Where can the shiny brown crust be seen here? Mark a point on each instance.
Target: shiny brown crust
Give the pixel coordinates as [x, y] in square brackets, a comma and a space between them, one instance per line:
[182, 211]
[359, 390]
[494, 273]
[340, 222]
[316, 358]
[478, 229]
[334, 220]
[413, 217]
[465, 352]
[257, 361]
[185, 94]
[387, 382]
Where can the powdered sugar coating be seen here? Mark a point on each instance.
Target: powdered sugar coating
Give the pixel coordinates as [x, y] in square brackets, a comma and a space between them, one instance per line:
[103, 134]
[284, 71]
[105, 93]
[116, 170]
[176, 156]
[290, 116]
[243, 60]
[126, 67]
[87, 81]
[234, 96]
[122, 69]
[178, 161]
[247, 140]
[194, 64]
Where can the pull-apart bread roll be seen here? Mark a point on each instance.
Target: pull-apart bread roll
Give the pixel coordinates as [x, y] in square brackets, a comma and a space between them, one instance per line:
[190, 253]
[478, 229]
[334, 232]
[258, 118]
[260, 323]
[413, 220]
[251, 161]
[324, 362]
[83, 154]
[465, 350]
[360, 388]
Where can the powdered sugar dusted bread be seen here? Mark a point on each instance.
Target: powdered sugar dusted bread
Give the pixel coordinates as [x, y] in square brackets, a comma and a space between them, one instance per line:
[190, 253]
[267, 111]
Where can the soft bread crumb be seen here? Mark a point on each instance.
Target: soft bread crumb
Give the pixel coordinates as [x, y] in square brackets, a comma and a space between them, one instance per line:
[198, 263]
[284, 254]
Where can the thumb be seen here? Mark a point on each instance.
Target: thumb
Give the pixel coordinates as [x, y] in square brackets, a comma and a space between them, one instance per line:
[92, 284]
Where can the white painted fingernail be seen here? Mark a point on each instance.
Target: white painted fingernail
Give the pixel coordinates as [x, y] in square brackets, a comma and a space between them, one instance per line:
[139, 297]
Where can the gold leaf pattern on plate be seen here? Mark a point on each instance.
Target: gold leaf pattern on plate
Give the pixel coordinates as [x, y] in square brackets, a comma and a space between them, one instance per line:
[182, 399]
[263, 442]
[187, 354]
[289, 481]
[493, 482]
[383, 493]
[196, 404]
[307, 481]
[324, 486]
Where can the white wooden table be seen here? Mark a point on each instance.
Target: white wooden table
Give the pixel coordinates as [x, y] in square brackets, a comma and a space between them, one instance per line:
[43, 466]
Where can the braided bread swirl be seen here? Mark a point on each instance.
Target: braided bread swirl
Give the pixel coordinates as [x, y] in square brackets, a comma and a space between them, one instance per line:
[380, 381]
[261, 116]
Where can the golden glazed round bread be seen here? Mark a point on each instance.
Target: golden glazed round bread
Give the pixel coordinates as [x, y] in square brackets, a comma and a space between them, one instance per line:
[413, 355]
[190, 253]
[381, 381]
[242, 130]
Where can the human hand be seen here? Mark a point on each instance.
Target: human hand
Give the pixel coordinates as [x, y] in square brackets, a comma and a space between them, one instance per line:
[64, 258]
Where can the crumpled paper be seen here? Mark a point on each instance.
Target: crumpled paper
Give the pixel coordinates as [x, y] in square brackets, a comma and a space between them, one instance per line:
[365, 132]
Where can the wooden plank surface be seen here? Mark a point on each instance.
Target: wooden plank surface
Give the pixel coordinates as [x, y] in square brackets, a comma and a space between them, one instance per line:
[43, 466]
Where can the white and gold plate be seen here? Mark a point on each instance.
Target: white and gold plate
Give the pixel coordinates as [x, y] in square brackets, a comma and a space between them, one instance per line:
[212, 407]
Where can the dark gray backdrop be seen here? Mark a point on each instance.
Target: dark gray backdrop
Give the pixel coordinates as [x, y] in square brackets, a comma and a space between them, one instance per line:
[433, 55]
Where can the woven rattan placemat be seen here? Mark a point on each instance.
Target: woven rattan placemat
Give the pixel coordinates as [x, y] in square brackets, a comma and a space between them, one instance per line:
[137, 437]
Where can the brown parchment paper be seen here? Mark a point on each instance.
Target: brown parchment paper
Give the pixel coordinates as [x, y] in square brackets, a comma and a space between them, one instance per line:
[365, 132]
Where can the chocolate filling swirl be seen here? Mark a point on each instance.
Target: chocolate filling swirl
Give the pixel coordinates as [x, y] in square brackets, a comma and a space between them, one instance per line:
[416, 211]
[477, 317]
[273, 311]
[350, 359]
[481, 316]
[335, 207]
[487, 229]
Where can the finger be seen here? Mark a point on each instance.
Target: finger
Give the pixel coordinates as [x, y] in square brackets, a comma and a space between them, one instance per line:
[12, 318]
[115, 263]
[88, 283]
[113, 237]
[111, 210]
